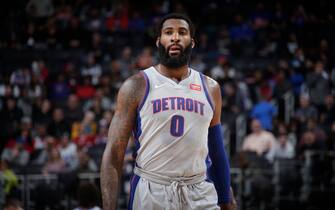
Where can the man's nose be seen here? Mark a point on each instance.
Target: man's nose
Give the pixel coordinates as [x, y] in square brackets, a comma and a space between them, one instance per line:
[175, 37]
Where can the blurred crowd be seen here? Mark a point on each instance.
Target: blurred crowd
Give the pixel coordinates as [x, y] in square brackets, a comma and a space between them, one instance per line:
[55, 115]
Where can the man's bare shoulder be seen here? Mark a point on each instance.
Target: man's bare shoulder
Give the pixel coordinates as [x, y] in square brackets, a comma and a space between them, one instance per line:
[133, 88]
[212, 84]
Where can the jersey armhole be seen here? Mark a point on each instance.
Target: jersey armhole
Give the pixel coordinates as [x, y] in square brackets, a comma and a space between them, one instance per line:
[147, 88]
[206, 90]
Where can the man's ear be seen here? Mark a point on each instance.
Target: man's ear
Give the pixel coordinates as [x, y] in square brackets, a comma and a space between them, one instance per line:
[157, 42]
[193, 43]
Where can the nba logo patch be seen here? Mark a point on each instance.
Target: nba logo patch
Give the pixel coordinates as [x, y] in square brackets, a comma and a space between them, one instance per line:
[195, 87]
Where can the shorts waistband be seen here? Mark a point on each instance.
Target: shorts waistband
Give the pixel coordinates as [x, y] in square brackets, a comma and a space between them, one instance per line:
[165, 180]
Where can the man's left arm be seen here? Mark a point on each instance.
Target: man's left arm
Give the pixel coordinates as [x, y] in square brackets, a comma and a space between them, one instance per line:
[220, 169]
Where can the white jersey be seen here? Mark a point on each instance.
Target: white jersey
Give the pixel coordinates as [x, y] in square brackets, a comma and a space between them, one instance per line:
[172, 125]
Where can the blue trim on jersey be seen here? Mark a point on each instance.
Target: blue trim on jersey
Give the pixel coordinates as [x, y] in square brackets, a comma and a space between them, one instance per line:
[133, 185]
[147, 88]
[137, 131]
[206, 91]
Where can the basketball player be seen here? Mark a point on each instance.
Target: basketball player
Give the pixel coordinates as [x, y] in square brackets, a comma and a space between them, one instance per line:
[174, 113]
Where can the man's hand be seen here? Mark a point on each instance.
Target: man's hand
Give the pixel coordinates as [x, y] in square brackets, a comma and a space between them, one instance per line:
[232, 205]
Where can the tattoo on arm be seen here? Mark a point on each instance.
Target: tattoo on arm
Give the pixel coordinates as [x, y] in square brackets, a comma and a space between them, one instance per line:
[122, 123]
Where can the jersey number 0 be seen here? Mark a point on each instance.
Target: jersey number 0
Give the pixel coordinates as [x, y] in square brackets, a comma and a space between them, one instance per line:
[177, 125]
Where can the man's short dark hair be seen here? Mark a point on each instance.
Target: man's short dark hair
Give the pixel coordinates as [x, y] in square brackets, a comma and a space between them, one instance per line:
[176, 16]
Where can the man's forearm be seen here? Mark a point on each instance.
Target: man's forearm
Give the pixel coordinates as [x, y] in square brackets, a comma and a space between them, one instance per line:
[109, 184]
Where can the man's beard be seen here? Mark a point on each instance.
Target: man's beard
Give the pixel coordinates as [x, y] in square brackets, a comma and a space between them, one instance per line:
[174, 62]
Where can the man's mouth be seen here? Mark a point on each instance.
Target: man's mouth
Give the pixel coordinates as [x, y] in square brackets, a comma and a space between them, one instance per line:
[175, 50]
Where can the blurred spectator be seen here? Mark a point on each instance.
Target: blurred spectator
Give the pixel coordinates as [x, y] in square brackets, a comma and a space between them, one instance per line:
[83, 133]
[254, 80]
[101, 137]
[10, 180]
[85, 90]
[16, 154]
[30, 35]
[97, 108]
[75, 35]
[99, 101]
[307, 142]
[298, 59]
[85, 163]
[137, 22]
[223, 71]
[13, 204]
[240, 31]
[68, 152]
[119, 20]
[320, 135]
[264, 111]
[72, 74]
[40, 8]
[73, 110]
[203, 44]
[296, 79]
[58, 126]
[126, 60]
[55, 163]
[318, 84]
[42, 154]
[10, 116]
[25, 134]
[327, 112]
[289, 130]
[42, 111]
[282, 85]
[223, 41]
[40, 70]
[48, 193]
[232, 107]
[244, 93]
[198, 64]
[24, 102]
[305, 111]
[92, 69]
[283, 148]
[59, 90]
[145, 59]
[20, 77]
[260, 16]
[39, 142]
[103, 124]
[88, 197]
[115, 74]
[232, 98]
[299, 17]
[259, 140]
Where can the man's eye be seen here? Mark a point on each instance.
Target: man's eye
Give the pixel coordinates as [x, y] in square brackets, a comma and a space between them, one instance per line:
[168, 32]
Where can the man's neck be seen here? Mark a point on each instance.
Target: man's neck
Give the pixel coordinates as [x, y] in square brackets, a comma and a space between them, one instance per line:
[176, 74]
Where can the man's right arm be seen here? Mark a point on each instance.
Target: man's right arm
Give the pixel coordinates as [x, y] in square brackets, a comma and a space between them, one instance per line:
[129, 96]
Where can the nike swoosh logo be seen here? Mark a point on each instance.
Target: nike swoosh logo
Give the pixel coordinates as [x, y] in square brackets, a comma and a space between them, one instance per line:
[159, 86]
